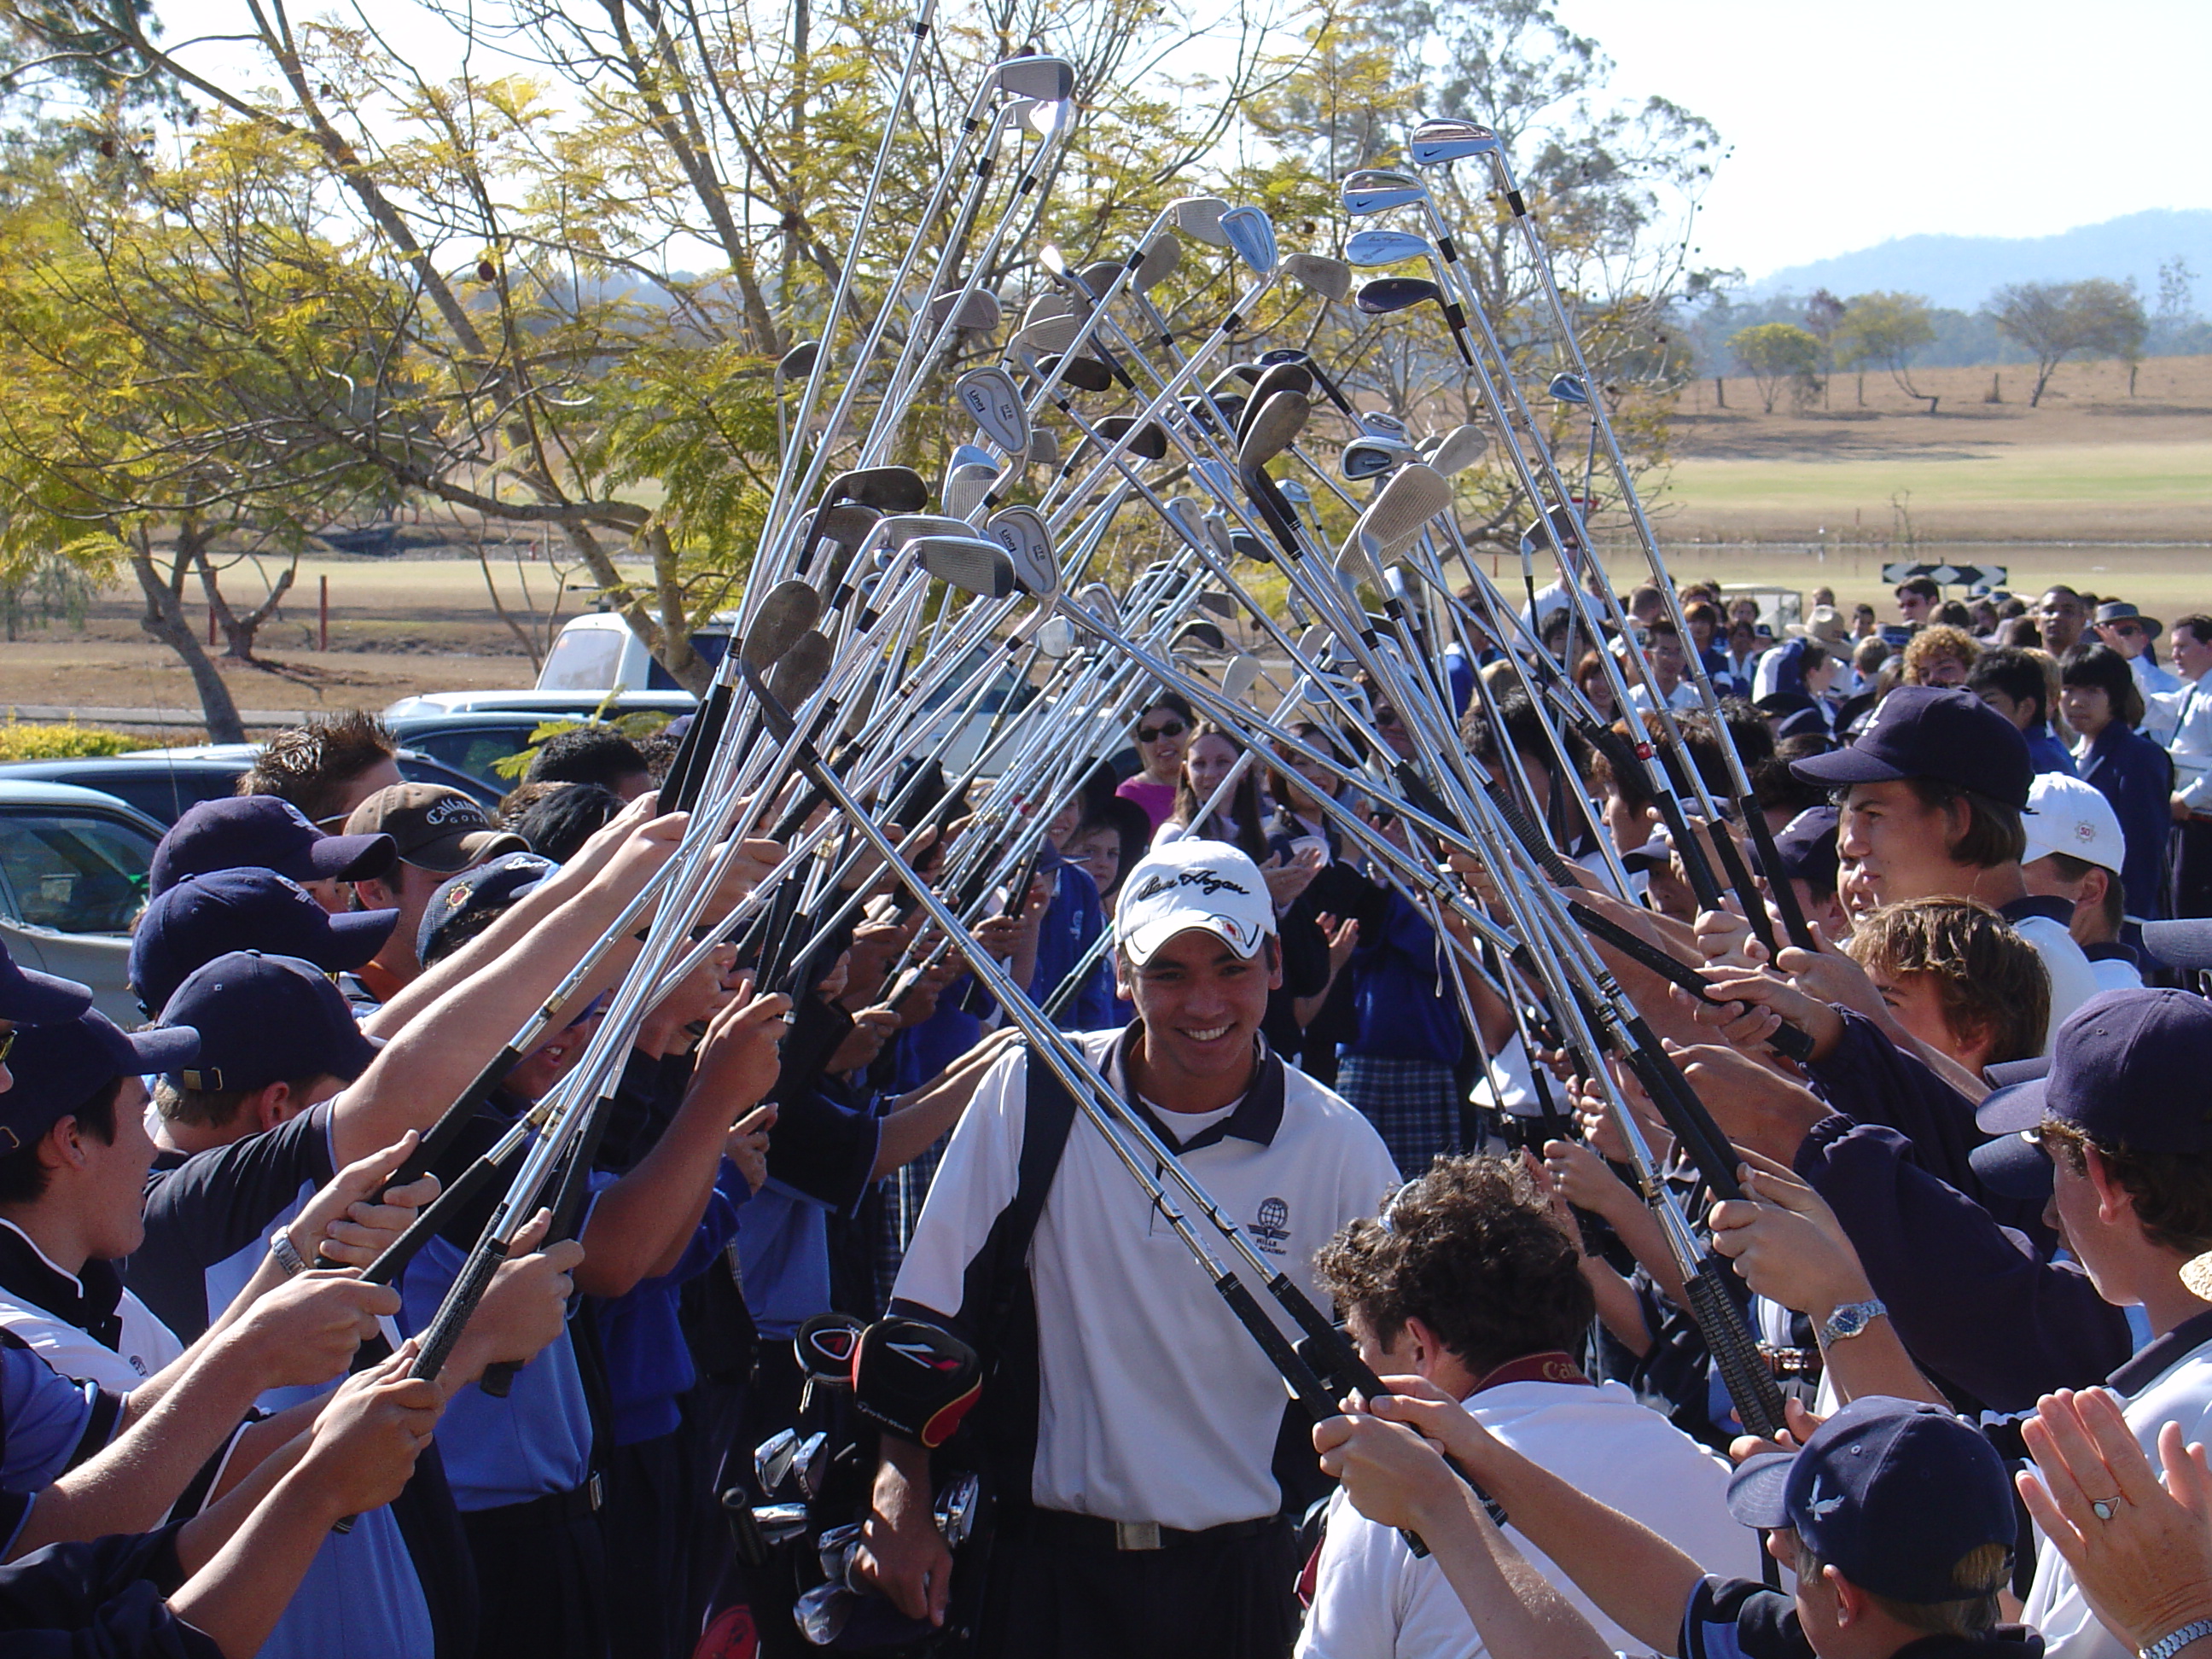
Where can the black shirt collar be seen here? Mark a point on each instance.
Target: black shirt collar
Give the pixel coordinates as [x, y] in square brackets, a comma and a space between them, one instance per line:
[2155, 1357]
[1257, 1116]
[2053, 909]
[2110, 950]
[88, 1301]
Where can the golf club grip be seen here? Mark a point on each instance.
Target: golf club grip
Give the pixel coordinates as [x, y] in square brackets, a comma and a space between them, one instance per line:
[1751, 1387]
[1779, 883]
[687, 773]
[1687, 848]
[1018, 891]
[795, 818]
[1790, 1041]
[434, 1215]
[1685, 1115]
[1556, 869]
[453, 1313]
[575, 1183]
[1739, 875]
[448, 1129]
[1422, 798]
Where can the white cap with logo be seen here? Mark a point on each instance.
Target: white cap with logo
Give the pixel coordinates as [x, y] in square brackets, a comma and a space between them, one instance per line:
[1193, 884]
[2065, 815]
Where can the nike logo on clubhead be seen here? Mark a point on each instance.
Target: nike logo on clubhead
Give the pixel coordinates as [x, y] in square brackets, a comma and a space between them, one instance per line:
[1822, 1508]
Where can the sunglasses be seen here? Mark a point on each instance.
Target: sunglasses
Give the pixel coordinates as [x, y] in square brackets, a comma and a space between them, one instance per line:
[1165, 729]
[2126, 630]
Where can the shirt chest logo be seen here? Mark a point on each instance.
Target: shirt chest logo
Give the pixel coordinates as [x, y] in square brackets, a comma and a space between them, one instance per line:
[1271, 1229]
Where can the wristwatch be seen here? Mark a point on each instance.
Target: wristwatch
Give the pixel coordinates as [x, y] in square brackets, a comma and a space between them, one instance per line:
[1849, 1320]
[2172, 1643]
[287, 1257]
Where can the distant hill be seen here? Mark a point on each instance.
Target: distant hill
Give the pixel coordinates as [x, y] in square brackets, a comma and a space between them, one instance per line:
[1960, 271]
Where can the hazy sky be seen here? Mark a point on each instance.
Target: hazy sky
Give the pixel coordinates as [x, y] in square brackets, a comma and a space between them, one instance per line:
[1856, 122]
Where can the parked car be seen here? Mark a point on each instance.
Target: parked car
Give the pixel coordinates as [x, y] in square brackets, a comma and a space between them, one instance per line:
[161, 783]
[72, 865]
[546, 705]
[598, 651]
[471, 743]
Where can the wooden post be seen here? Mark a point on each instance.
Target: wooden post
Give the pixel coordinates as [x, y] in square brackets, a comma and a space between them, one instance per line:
[323, 614]
[213, 639]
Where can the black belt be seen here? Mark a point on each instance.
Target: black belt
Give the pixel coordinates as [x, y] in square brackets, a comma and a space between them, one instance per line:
[1096, 1533]
[577, 1503]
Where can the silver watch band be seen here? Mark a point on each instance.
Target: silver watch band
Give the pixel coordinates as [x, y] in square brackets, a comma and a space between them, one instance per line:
[287, 1257]
[2174, 1641]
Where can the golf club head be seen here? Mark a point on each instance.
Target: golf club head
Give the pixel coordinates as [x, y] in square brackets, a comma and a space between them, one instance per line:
[1371, 458]
[799, 675]
[1294, 492]
[1199, 217]
[1077, 373]
[1099, 275]
[1220, 482]
[1449, 139]
[1368, 248]
[1146, 442]
[1222, 415]
[977, 310]
[1054, 638]
[1218, 603]
[799, 361]
[1319, 274]
[1251, 234]
[1273, 430]
[1355, 569]
[811, 1462]
[1022, 532]
[1277, 377]
[965, 486]
[1246, 545]
[1379, 423]
[957, 1506]
[1189, 519]
[1044, 446]
[1238, 679]
[1395, 519]
[1047, 80]
[781, 1523]
[995, 403]
[1200, 634]
[1385, 295]
[1049, 336]
[1377, 189]
[1053, 302]
[786, 612]
[903, 527]
[886, 488]
[967, 562]
[1217, 532]
[1567, 387]
[772, 1460]
[1314, 643]
[1459, 449]
[1098, 599]
[1161, 255]
[1557, 520]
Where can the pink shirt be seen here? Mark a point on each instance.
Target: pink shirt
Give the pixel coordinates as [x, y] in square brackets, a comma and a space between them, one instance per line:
[1156, 798]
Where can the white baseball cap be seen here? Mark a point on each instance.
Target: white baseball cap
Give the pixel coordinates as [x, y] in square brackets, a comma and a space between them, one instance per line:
[1187, 883]
[2065, 815]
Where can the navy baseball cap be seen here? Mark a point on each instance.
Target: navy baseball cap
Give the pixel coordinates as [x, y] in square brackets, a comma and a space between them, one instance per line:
[1898, 1496]
[1931, 731]
[490, 886]
[2126, 1068]
[58, 1068]
[1807, 848]
[264, 832]
[2184, 942]
[203, 917]
[30, 998]
[262, 1019]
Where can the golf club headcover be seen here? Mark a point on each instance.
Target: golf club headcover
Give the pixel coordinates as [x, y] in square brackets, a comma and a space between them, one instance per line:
[825, 1346]
[914, 1380]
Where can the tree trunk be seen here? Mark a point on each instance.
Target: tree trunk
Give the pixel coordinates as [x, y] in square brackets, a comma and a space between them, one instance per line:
[165, 620]
[1720, 392]
[240, 632]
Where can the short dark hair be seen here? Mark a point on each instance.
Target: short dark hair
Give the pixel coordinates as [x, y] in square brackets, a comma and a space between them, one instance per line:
[1994, 835]
[23, 1178]
[2115, 904]
[1985, 1568]
[587, 754]
[213, 1108]
[1471, 1250]
[1173, 700]
[2008, 669]
[558, 823]
[1989, 982]
[2098, 667]
[1923, 586]
[1524, 727]
[2199, 626]
[2173, 1191]
[311, 765]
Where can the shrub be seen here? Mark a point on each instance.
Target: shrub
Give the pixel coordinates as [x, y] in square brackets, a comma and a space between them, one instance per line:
[19, 740]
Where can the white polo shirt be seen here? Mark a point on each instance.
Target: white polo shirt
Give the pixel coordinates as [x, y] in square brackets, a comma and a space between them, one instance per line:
[2170, 1381]
[1155, 1404]
[1374, 1600]
[144, 1346]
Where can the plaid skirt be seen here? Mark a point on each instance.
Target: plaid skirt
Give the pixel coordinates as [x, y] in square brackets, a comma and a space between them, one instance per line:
[1414, 1104]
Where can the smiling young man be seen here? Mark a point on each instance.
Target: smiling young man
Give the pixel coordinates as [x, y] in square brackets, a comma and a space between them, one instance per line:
[1931, 797]
[1133, 1424]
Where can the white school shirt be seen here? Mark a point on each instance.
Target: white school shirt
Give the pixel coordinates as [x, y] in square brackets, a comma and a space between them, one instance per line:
[2073, 980]
[1155, 1404]
[1374, 1600]
[2178, 1392]
[144, 1346]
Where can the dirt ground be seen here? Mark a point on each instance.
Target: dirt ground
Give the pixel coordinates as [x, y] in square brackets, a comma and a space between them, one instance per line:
[2107, 491]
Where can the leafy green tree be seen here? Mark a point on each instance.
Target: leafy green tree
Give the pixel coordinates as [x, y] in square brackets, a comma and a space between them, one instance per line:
[1774, 354]
[2056, 320]
[1886, 329]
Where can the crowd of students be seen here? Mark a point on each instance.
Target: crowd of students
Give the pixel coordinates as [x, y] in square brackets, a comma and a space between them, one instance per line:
[1974, 1241]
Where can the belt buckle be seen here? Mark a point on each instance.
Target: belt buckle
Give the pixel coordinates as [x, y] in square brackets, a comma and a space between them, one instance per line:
[1136, 1535]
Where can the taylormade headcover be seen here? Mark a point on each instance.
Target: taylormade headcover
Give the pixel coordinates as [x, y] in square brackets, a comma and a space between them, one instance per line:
[914, 1380]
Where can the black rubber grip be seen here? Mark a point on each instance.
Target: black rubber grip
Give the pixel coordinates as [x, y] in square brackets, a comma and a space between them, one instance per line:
[1747, 890]
[1751, 1386]
[429, 1221]
[1556, 869]
[1777, 881]
[454, 1312]
[448, 1129]
[687, 773]
[1685, 1115]
[1790, 1042]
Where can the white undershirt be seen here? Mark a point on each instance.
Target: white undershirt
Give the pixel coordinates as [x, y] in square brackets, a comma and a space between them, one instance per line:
[1187, 1127]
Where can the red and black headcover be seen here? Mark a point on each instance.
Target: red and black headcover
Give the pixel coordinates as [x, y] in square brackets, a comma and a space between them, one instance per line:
[915, 1379]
